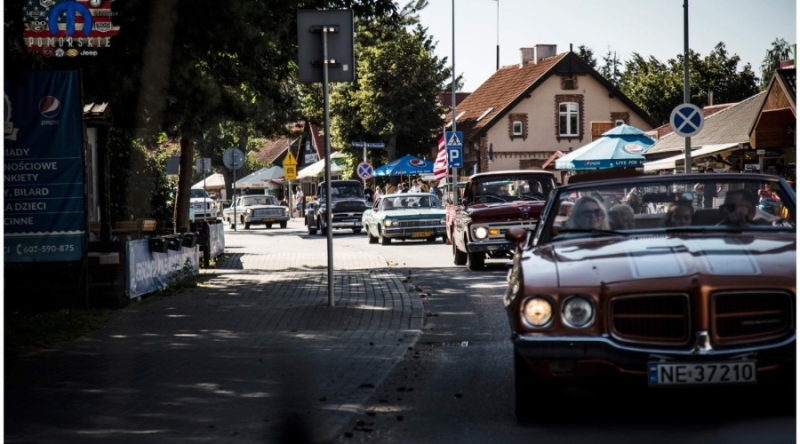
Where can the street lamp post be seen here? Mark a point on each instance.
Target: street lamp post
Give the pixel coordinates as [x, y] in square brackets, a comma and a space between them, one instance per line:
[497, 65]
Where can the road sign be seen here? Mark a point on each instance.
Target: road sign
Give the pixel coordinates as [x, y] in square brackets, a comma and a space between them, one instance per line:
[203, 165]
[233, 158]
[454, 140]
[365, 170]
[290, 172]
[369, 145]
[686, 120]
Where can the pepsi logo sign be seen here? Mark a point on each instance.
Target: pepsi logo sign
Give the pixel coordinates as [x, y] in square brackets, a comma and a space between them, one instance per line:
[632, 148]
[416, 163]
[49, 107]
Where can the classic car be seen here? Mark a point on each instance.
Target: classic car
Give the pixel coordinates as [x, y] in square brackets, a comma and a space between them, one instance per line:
[493, 203]
[347, 204]
[256, 209]
[404, 216]
[692, 296]
[203, 206]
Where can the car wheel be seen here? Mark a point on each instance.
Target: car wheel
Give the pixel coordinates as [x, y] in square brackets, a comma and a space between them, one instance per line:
[384, 240]
[476, 261]
[459, 257]
[283, 224]
[431, 239]
[372, 239]
[529, 390]
[312, 229]
[444, 239]
[323, 230]
[269, 225]
[356, 230]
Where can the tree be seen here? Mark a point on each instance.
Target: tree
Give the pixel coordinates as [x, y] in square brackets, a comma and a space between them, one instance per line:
[587, 55]
[395, 97]
[658, 87]
[772, 60]
[610, 70]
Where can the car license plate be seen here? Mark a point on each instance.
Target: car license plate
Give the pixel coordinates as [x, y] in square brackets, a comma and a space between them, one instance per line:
[269, 219]
[421, 234]
[662, 374]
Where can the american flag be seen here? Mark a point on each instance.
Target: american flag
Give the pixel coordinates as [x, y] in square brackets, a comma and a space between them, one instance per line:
[440, 166]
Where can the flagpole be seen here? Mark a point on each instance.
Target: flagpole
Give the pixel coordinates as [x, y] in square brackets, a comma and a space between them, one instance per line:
[455, 171]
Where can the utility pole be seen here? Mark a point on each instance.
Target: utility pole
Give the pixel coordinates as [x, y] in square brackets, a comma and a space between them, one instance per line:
[497, 65]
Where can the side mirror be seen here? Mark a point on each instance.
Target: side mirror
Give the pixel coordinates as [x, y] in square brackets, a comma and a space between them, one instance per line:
[518, 236]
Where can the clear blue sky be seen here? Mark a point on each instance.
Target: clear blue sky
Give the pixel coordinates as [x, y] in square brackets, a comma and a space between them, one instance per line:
[648, 27]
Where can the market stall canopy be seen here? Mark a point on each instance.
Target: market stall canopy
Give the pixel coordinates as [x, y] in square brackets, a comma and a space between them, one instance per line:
[670, 163]
[216, 180]
[317, 169]
[407, 165]
[260, 178]
[621, 146]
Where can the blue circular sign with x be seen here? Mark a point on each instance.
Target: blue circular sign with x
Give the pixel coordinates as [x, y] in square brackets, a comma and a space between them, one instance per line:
[364, 170]
[686, 120]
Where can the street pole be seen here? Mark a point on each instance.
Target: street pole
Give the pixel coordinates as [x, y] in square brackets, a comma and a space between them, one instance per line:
[233, 198]
[454, 170]
[497, 65]
[687, 149]
[328, 212]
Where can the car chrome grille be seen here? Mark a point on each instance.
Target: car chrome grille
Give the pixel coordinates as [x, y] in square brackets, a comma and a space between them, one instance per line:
[651, 319]
[751, 316]
[418, 223]
[349, 207]
[267, 212]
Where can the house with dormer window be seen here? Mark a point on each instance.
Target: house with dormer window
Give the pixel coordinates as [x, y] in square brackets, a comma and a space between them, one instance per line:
[528, 114]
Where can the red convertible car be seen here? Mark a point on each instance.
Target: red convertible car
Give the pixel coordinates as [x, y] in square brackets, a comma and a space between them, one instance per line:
[643, 283]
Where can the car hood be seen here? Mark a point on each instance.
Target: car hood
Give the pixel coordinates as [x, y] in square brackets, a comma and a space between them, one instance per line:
[596, 262]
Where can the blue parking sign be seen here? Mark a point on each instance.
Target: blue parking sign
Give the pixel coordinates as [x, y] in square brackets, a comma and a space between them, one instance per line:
[455, 142]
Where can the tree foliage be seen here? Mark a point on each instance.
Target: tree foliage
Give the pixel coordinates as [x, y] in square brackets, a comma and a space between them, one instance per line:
[657, 87]
[779, 52]
[587, 55]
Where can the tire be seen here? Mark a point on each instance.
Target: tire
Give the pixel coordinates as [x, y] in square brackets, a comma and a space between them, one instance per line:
[356, 230]
[312, 229]
[246, 226]
[269, 226]
[459, 257]
[322, 230]
[431, 239]
[444, 239]
[529, 391]
[476, 261]
[372, 239]
[384, 240]
[283, 224]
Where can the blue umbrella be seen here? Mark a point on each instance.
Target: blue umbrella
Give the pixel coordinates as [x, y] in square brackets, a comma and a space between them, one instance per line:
[621, 146]
[407, 165]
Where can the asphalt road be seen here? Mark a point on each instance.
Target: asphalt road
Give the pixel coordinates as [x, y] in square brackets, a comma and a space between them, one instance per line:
[456, 384]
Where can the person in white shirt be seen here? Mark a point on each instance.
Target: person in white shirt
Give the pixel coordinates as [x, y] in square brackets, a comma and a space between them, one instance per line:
[299, 199]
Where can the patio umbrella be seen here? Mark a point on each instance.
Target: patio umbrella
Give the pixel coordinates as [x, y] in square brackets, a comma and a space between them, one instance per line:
[405, 166]
[621, 146]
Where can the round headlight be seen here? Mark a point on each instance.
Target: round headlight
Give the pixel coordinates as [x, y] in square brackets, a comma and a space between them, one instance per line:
[578, 312]
[248, 211]
[387, 223]
[481, 233]
[537, 312]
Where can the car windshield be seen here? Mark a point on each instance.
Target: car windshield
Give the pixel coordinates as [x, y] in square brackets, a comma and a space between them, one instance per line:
[669, 204]
[259, 200]
[199, 193]
[404, 202]
[510, 188]
[344, 190]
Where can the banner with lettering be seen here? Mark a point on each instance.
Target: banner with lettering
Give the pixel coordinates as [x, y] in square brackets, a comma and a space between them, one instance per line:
[149, 272]
[43, 206]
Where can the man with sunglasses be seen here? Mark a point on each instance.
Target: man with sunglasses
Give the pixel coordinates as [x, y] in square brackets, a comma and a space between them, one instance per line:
[739, 208]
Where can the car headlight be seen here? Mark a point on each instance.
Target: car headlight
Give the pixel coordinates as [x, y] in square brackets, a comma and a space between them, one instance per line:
[442, 221]
[248, 211]
[537, 312]
[388, 223]
[481, 233]
[577, 311]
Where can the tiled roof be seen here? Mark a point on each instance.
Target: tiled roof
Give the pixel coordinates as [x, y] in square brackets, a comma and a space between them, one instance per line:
[708, 110]
[498, 92]
[446, 98]
[273, 148]
[731, 125]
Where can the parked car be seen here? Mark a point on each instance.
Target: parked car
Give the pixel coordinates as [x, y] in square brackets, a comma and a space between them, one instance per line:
[204, 207]
[404, 216]
[348, 204]
[493, 203]
[256, 209]
[700, 297]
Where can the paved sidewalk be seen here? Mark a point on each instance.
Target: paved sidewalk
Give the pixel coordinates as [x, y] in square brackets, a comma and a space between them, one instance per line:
[253, 355]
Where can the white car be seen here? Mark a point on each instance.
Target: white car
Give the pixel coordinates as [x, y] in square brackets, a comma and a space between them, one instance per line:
[204, 207]
[256, 209]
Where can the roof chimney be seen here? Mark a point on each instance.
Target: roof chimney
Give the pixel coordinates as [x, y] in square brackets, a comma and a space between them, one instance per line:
[543, 51]
[526, 55]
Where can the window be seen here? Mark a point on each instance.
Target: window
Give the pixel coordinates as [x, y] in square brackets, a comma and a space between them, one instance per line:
[517, 128]
[619, 123]
[568, 118]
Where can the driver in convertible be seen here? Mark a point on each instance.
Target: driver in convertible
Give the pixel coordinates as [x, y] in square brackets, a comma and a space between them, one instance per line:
[588, 214]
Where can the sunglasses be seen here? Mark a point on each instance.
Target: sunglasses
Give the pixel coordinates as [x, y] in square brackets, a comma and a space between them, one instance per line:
[589, 213]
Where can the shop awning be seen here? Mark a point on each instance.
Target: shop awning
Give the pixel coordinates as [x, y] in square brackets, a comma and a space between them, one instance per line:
[669, 162]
